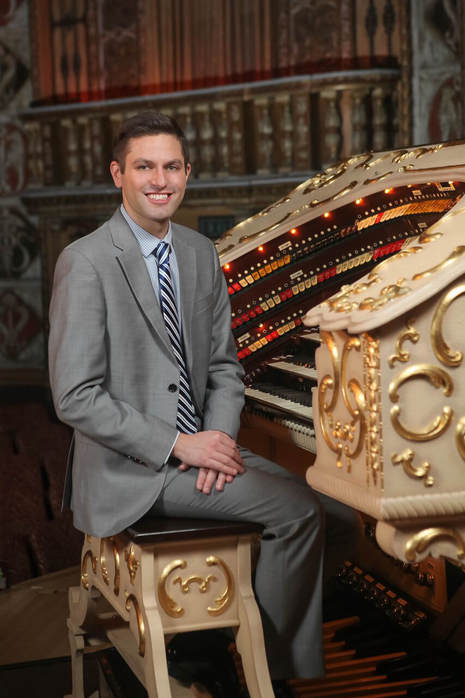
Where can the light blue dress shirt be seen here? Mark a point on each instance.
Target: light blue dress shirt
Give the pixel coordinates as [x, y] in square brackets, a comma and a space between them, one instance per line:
[148, 243]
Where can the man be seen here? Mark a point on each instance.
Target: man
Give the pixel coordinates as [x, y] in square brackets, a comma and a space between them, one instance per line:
[143, 366]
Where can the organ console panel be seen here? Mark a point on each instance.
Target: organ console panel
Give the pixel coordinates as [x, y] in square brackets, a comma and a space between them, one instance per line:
[334, 291]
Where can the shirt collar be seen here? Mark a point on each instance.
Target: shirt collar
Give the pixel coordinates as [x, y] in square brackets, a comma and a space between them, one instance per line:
[147, 242]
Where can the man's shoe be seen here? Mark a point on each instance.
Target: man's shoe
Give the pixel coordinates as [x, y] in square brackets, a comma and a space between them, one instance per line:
[281, 689]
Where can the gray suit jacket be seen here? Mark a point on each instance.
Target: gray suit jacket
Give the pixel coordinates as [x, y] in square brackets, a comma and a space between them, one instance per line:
[111, 364]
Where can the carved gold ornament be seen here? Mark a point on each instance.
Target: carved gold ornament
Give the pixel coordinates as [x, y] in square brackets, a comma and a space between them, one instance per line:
[84, 574]
[326, 177]
[131, 562]
[419, 542]
[428, 236]
[460, 437]
[410, 334]
[103, 564]
[405, 459]
[454, 255]
[441, 349]
[221, 602]
[320, 202]
[379, 178]
[341, 301]
[374, 440]
[386, 294]
[400, 155]
[438, 378]
[131, 599]
[224, 599]
[345, 439]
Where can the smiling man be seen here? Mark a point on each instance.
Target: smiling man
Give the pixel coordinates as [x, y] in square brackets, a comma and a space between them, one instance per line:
[143, 366]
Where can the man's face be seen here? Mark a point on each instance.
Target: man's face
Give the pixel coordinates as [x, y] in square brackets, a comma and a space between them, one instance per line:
[153, 182]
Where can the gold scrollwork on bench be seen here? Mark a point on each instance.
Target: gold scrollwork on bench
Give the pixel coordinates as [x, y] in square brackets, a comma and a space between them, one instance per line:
[116, 563]
[438, 378]
[131, 599]
[84, 574]
[221, 602]
[132, 562]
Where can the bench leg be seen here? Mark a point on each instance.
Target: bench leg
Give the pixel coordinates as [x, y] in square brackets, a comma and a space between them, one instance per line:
[76, 644]
[157, 682]
[249, 635]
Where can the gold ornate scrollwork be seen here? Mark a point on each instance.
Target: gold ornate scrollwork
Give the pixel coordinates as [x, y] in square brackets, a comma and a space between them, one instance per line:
[404, 252]
[224, 599]
[410, 334]
[419, 542]
[131, 562]
[454, 255]
[221, 603]
[202, 582]
[116, 562]
[341, 303]
[339, 436]
[386, 294]
[84, 574]
[371, 378]
[140, 621]
[168, 604]
[441, 349]
[405, 459]
[379, 178]
[460, 437]
[428, 236]
[103, 563]
[438, 378]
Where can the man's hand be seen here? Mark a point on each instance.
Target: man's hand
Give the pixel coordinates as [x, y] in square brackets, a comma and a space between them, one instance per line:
[214, 453]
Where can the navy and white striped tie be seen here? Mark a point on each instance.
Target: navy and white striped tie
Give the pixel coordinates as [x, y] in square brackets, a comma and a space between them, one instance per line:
[185, 420]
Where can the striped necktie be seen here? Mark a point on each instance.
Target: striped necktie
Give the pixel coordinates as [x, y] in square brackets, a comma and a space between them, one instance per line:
[185, 420]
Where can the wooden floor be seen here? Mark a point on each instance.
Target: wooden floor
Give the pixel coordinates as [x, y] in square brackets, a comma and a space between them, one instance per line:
[33, 620]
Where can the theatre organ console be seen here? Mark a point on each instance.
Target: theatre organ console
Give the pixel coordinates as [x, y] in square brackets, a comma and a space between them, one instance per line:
[349, 367]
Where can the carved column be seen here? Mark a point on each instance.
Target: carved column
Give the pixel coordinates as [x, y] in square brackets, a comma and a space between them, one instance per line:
[35, 176]
[330, 121]
[206, 136]
[222, 147]
[301, 123]
[85, 140]
[379, 121]
[71, 165]
[359, 120]
[285, 127]
[47, 150]
[184, 116]
[98, 130]
[263, 136]
[236, 138]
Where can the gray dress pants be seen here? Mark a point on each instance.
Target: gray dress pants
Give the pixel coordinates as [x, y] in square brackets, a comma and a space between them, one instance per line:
[300, 525]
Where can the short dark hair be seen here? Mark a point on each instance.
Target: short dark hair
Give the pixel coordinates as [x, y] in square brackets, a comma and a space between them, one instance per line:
[147, 123]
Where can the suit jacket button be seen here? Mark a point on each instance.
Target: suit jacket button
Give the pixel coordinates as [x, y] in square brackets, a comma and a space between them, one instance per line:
[172, 388]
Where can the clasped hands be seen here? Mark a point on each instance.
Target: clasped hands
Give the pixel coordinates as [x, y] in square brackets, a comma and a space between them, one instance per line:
[215, 455]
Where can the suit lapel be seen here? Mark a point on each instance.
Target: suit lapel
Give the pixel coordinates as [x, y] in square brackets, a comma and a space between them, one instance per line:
[132, 263]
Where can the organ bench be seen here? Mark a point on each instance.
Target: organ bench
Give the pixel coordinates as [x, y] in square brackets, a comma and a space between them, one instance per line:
[161, 577]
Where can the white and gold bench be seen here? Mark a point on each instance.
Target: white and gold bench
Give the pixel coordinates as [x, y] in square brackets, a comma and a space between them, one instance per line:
[162, 577]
